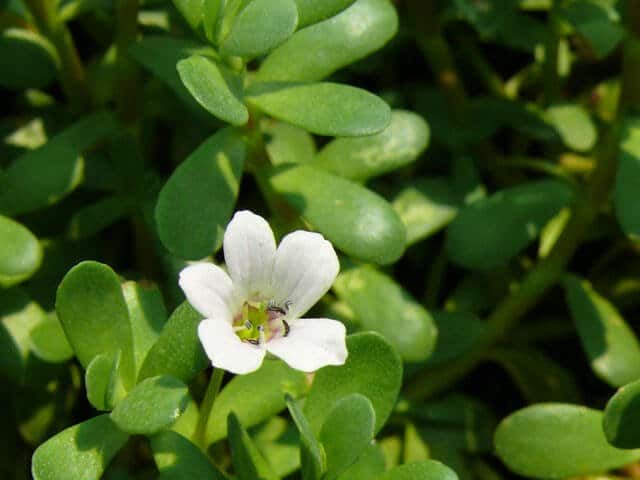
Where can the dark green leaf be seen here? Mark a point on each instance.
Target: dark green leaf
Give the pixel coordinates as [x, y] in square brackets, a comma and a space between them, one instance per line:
[90, 220]
[177, 352]
[179, 459]
[556, 440]
[94, 316]
[196, 202]
[81, 452]
[20, 255]
[458, 332]
[373, 369]
[362, 158]
[154, 404]
[346, 433]
[427, 470]
[214, 87]
[27, 60]
[260, 27]
[621, 422]
[322, 108]
[248, 462]
[612, 347]
[312, 455]
[491, 231]
[356, 220]
[254, 397]
[381, 305]
[593, 22]
[628, 179]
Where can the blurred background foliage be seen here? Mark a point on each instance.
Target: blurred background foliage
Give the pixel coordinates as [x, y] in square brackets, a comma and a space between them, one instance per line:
[487, 224]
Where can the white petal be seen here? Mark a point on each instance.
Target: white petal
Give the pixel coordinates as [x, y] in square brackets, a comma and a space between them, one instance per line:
[312, 343]
[249, 250]
[306, 266]
[208, 289]
[226, 350]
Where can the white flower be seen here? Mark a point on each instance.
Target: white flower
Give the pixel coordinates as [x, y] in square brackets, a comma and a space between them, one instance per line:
[256, 308]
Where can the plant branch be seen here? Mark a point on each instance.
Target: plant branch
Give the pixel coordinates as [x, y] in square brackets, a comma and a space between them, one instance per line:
[205, 407]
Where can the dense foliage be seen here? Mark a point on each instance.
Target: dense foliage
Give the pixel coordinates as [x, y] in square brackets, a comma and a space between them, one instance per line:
[475, 163]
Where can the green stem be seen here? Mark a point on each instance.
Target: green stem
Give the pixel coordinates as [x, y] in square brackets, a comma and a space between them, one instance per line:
[486, 74]
[205, 407]
[72, 74]
[551, 78]
[127, 78]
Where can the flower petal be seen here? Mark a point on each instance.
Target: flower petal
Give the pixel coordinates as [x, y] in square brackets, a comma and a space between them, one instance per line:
[226, 350]
[312, 343]
[305, 267]
[249, 250]
[208, 289]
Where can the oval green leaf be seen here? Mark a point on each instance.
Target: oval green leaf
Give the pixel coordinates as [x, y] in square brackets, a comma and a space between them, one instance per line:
[612, 347]
[101, 381]
[621, 422]
[48, 341]
[312, 458]
[254, 397]
[458, 333]
[554, 440]
[356, 220]
[214, 87]
[154, 404]
[373, 369]
[322, 108]
[491, 231]
[81, 452]
[346, 433]
[177, 352]
[321, 49]
[287, 143]
[426, 470]
[27, 60]
[179, 459]
[196, 202]
[94, 315]
[360, 159]
[381, 305]
[248, 462]
[574, 126]
[260, 27]
[20, 255]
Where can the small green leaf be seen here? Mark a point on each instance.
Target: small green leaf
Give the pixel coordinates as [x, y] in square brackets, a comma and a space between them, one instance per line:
[147, 315]
[48, 341]
[81, 452]
[381, 305]
[94, 316]
[621, 422]
[192, 11]
[312, 11]
[177, 352]
[426, 206]
[254, 397]
[321, 49]
[554, 440]
[260, 27]
[612, 347]
[322, 108]
[179, 459]
[154, 404]
[346, 433]
[90, 220]
[360, 159]
[104, 390]
[574, 126]
[370, 464]
[491, 231]
[214, 87]
[27, 60]
[287, 143]
[628, 179]
[537, 376]
[594, 23]
[20, 255]
[426, 470]
[356, 220]
[248, 462]
[373, 369]
[312, 455]
[196, 202]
